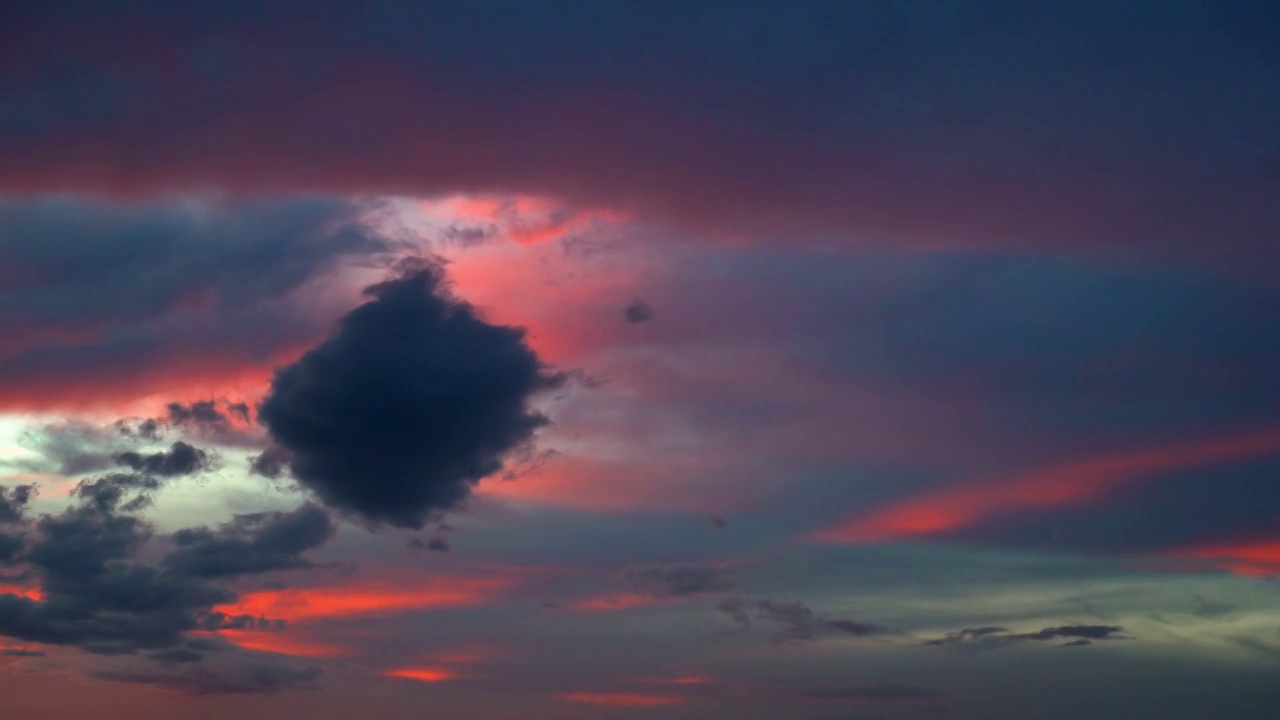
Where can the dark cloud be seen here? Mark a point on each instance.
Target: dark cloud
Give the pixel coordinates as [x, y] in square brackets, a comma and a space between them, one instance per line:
[10, 545]
[221, 621]
[250, 544]
[996, 637]
[180, 459]
[638, 311]
[13, 501]
[1121, 123]
[107, 493]
[407, 405]
[255, 677]
[139, 428]
[271, 463]
[195, 287]
[679, 580]
[20, 653]
[468, 235]
[434, 544]
[99, 593]
[175, 656]
[795, 621]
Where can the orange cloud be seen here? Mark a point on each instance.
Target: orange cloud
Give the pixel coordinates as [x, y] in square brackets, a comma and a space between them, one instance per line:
[423, 674]
[963, 506]
[317, 603]
[623, 699]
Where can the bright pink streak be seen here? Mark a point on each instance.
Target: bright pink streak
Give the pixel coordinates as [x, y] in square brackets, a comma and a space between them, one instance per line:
[963, 506]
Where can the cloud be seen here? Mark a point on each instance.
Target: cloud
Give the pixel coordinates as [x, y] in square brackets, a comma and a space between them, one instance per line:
[679, 580]
[180, 459]
[795, 621]
[271, 463]
[870, 692]
[740, 115]
[996, 637]
[13, 502]
[71, 447]
[255, 677]
[98, 592]
[202, 288]
[410, 402]
[638, 311]
[250, 544]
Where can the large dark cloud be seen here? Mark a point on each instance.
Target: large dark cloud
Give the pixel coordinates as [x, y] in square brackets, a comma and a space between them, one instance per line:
[1140, 122]
[100, 298]
[100, 593]
[410, 402]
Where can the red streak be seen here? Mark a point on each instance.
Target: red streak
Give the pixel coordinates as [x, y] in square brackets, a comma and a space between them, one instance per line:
[423, 674]
[963, 506]
[25, 592]
[369, 599]
[623, 699]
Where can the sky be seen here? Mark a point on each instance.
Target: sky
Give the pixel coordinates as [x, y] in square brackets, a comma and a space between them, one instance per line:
[551, 361]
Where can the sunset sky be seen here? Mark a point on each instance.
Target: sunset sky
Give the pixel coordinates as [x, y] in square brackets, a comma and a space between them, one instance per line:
[568, 360]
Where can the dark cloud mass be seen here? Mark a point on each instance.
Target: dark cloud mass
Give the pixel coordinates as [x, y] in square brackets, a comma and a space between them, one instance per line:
[410, 402]
[99, 593]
